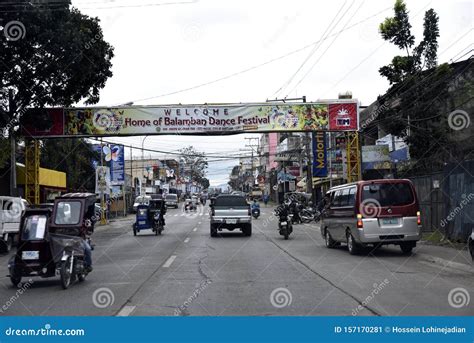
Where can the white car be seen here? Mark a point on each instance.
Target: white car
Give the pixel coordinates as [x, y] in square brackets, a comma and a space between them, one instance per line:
[11, 210]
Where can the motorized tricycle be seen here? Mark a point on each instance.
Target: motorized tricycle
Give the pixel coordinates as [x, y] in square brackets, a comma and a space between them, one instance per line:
[150, 217]
[51, 241]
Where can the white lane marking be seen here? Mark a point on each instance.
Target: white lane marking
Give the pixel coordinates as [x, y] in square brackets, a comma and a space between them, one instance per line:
[187, 240]
[199, 222]
[169, 261]
[183, 214]
[195, 229]
[176, 215]
[126, 311]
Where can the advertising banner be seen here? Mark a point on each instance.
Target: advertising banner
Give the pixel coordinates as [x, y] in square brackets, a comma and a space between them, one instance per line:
[375, 157]
[335, 115]
[113, 157]
[102, 180]
[320, 168]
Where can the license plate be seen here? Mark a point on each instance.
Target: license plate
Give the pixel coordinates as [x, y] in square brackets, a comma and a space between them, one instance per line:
[231, 221]
[30, 255]
[283, 223]
[141, 222]
[390, 221]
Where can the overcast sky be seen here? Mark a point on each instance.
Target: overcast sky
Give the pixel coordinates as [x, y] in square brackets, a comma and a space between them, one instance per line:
[254, 51]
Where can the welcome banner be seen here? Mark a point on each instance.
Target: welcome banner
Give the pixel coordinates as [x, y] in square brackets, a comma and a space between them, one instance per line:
[334, 115]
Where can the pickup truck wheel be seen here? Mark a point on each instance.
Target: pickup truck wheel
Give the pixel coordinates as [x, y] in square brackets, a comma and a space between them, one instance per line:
[406, 248]
[248, 230]
[213, 231]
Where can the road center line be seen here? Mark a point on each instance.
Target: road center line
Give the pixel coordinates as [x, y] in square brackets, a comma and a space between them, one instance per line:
[186, 240]
[126, 311]
[169, 261]
[195, 229]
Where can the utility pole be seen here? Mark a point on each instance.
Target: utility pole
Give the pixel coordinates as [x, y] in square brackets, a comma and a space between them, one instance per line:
[252, 146]
[11, 110]
[103, 220]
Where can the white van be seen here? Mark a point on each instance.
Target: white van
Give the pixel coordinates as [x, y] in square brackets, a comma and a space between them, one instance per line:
[11, 210]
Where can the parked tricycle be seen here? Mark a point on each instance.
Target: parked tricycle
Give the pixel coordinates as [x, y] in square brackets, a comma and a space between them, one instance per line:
[52, 241]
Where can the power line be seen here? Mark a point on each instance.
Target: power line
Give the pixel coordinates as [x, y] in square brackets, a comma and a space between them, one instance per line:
[324, 52]
[243, 71]
[312, 52]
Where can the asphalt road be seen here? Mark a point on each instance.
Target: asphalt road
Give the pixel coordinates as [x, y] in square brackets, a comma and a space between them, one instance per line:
[186, 272]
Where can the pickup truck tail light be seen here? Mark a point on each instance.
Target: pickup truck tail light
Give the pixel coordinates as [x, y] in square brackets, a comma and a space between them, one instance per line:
[418, 217]
[250, 211]
[360, 224]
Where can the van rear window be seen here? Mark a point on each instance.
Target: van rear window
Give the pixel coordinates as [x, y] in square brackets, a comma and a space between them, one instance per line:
[232, 201]
[389, 194]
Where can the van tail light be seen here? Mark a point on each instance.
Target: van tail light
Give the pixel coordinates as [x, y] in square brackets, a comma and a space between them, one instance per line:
[360, 225]
[418, 218]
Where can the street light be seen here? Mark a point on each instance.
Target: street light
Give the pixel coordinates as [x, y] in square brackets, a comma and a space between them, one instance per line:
[143, 164]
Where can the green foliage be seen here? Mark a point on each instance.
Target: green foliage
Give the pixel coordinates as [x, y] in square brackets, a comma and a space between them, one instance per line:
[195, 165]
[74, 157]
[397, 30]
[421, 94]
[4, 152]
[62, 58]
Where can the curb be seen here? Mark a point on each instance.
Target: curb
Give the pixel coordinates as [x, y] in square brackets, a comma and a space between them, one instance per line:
[446, 263]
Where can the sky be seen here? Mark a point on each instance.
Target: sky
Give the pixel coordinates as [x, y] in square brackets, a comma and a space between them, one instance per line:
[205, 51]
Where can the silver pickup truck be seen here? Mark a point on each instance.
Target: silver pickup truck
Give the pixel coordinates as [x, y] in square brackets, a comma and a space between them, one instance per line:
[230, 212]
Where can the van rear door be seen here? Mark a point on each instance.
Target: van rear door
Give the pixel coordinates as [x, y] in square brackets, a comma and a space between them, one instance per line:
[389, 201]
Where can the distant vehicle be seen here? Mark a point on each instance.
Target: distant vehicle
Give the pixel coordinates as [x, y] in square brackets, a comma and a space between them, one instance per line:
[230, 212]
[11, 211]
[141, 200]
[242, 194]
[374, 212]
[171, 200]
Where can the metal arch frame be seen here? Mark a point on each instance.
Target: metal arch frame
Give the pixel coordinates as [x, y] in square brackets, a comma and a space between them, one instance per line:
[32, 167]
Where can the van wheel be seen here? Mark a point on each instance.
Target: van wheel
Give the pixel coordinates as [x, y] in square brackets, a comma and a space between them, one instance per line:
[352, 246]
[330, 243]
[406, 248]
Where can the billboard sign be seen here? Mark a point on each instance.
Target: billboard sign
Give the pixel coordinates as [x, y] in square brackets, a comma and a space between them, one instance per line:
[102, 180]
[334, 115]
[320, 168]
[375, 157]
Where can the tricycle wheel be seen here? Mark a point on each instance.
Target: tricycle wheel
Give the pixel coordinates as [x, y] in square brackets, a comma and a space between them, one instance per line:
[134, 231]
[65, 274]
[15, 277]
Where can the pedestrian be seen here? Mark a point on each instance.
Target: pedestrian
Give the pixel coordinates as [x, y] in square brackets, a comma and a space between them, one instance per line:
[265, 199]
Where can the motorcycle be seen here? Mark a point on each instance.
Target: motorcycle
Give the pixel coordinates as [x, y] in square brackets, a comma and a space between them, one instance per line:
[256, 212]
[285, 219]
[309, 214]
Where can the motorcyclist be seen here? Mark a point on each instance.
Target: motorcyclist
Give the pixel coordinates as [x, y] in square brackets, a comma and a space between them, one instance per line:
[86, 230]
[255, 205]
